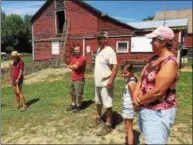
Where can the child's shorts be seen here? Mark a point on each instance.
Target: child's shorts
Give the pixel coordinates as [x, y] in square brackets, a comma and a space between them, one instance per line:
[128, 113]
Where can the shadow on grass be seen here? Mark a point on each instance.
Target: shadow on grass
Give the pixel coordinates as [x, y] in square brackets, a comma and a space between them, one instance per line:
[116, 119]
[3, 105]
[86, 104]
[30, 102]
[136, 137]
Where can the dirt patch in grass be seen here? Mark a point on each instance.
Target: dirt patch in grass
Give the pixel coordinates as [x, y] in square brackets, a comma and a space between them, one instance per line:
[186, 69]
[49, 74]
[74, 129]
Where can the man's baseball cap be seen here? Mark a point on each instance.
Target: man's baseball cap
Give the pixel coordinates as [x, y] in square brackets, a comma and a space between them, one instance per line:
[102, 34]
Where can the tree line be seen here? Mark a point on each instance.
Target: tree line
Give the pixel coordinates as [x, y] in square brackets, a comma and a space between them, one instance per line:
[16, 33]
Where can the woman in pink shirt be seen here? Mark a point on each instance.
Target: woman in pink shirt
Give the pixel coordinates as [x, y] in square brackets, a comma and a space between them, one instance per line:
[155, 92]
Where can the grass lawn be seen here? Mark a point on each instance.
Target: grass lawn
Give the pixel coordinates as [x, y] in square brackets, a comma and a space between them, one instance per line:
[48, 102]
[27, 59]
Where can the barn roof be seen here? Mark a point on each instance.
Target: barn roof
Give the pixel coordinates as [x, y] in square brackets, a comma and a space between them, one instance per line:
[176, 14]
[154, 24]
[101, 14]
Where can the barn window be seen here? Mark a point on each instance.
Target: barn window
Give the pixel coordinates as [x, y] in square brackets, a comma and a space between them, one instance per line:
[122, 47]
[55, 47]
[60, 21]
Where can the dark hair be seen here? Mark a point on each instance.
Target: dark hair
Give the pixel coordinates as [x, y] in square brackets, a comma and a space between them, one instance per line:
[128, 66]
[169, 44]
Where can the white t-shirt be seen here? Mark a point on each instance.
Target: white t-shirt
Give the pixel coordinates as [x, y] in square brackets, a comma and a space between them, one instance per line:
[127, 98]
[104, 59]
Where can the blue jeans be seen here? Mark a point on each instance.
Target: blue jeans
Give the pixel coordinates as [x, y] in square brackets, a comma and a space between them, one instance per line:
[156, 124]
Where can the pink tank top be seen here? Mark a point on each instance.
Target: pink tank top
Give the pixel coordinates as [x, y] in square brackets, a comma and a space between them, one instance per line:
[148, 77]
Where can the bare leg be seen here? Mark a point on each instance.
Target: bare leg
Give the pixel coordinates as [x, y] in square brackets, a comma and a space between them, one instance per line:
[16, 96]
[21, 96]
[99, 110]
[109, 115]
[79, 101]
[72, 93]
[129, 128]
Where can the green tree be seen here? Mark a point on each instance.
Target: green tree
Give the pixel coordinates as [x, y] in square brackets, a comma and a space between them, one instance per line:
[12, 31]
[16, 33]
[149, 18]
[27, 34]
[3, 16]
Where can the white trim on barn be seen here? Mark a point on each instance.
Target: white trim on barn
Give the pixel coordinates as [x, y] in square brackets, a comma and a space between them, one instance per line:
[122, 49]
[83, 46]
[33, 53]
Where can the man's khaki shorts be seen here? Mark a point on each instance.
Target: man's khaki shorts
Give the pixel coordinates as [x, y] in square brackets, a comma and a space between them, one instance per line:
[104, 96]
[77, 88]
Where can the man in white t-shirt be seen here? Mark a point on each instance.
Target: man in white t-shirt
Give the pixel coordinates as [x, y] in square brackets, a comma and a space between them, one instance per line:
[104, 73]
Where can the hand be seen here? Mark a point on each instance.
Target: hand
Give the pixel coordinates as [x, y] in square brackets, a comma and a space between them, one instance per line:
[17, 81]
[136, 104]
[70, 66]
[110, 83]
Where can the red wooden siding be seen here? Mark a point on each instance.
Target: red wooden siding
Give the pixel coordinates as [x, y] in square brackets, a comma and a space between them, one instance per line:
[127, 56]
[93, 48]
[82, 20]
[44, 25]
[42, 50]
[188, 41]
[112, 27]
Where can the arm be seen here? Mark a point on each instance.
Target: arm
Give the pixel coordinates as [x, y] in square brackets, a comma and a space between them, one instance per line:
[21, 68]
[136, 95]
[113, 61]
[163, 81]
[70, 65]
[113, 75]
[131, 87]
[79, 64]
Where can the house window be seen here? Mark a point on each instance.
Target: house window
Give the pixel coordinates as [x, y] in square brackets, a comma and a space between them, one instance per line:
[55, 47]
[60, 20]
[122, 47]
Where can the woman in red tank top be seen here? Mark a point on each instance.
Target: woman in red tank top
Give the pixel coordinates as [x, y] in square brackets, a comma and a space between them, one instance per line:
[155, 92]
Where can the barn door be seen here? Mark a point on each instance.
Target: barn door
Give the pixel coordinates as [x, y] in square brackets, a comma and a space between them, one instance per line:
[60, 15]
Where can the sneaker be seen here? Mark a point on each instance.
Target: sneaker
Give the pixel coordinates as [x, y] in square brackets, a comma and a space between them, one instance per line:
[104, 130]
[98, 121]
[24, 108]
[77, 109]
[71, 108]
[16, 108]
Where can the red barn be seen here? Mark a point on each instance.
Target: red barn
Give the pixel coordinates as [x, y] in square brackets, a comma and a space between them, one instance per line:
[179, 27]
[84, 21]
[179, 14]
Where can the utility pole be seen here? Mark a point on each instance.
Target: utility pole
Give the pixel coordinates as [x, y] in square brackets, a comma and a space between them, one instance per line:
[164, 13]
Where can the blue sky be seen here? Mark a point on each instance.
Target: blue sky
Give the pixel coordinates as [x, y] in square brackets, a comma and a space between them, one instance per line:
[126, 11]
